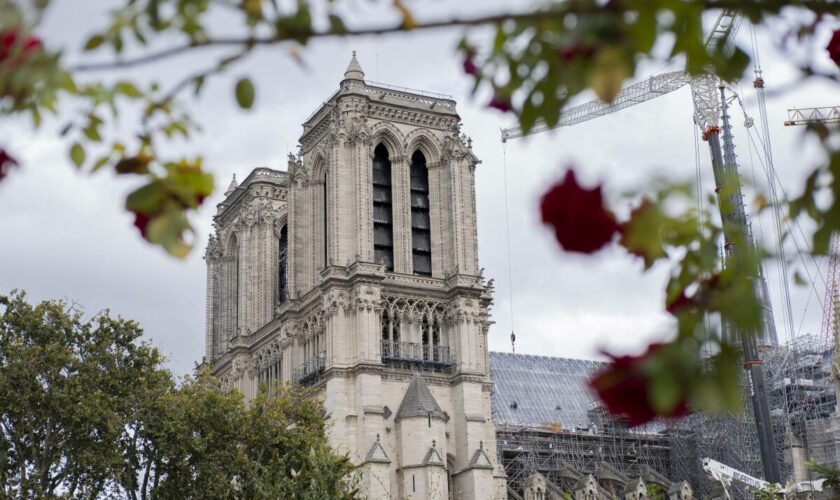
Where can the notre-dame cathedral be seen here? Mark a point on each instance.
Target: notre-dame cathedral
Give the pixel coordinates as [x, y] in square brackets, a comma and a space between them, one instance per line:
[355, 271]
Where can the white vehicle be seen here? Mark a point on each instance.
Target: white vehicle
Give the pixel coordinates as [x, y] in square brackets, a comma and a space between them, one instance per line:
[726, 475]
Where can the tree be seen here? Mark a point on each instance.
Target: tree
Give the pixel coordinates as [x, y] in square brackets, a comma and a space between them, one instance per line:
[199, 441]
[536, 61]
[88, 411]
[68, 386]
[829, 473]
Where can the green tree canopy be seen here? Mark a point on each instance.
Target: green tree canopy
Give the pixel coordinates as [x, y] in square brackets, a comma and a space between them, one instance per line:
[89, 412]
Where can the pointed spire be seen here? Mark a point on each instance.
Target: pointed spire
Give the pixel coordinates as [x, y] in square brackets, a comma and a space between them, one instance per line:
[232, 187]
[354, 70]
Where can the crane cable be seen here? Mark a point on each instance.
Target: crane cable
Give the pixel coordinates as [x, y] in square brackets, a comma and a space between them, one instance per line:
[811, 279]
[772, 176]
[507, 237]
[698, 179]
[780, 269]
[770, 173]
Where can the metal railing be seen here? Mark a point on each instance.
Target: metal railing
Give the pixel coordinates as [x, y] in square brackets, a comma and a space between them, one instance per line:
[406, 90]
[311, 368]
[414, 352]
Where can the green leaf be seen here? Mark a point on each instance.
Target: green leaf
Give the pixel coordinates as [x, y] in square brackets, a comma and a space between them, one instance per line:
[337, 24]
[798, 279]
[134, 165]
[608, 72]
[245, 93]
[128, 89]
[146, 199]
[77, 154]
[664, 392]
[167, 229]
[94, 42]
[100, 163]
[92, 134]
[198, 83]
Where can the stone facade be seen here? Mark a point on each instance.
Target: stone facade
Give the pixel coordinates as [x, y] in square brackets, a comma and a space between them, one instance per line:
[356, 272]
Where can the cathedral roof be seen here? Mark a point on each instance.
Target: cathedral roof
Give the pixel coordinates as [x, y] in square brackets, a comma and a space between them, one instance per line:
[540, 391]
[418, 401]
[354, 70]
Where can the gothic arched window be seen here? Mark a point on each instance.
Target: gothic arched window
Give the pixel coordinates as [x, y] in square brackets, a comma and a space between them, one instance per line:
[390, 335]
[383, 221]
[421, 244]
[436, 340]
[283, 246]
[232, 288]
[324, 225]
[425, 327]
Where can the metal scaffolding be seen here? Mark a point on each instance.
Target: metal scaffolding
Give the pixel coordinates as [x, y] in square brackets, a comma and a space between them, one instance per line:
[530, 389]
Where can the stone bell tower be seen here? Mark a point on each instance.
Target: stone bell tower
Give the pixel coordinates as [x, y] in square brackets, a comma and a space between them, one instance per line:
[368, 253]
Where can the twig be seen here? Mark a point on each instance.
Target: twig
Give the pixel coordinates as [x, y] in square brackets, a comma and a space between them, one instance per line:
[253, 41]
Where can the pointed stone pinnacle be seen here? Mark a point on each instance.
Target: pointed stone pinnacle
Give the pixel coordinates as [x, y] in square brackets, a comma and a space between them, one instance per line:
[354, 69]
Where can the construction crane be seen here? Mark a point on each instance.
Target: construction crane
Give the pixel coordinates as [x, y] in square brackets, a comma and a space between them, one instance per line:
[808, 116]
[727, 475]
[710, 115]
[704, 88]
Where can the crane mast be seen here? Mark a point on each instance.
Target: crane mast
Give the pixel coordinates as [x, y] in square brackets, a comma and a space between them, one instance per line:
[734, 219]
[709, 108]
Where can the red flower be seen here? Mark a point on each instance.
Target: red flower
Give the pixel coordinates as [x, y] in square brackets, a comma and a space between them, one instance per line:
[623, 387]
[6, 163]
[141, 220]
[580, 222]
[15, 49]
[500, 102]
[833, 47]
[10, 40]
[469, 66]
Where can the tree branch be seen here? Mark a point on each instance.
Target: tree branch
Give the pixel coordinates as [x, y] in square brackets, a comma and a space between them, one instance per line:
[254, 41]
[769, 6]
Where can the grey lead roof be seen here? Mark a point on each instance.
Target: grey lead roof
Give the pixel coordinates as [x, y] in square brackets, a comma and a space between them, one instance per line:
[418, 401]
[539, 385]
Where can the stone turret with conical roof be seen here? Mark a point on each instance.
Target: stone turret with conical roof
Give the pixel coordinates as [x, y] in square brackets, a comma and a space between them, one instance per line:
[354, 69]
[421, 430]
[232, 186]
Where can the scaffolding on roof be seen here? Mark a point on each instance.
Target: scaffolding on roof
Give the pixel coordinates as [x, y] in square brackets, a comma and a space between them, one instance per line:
[548, 421]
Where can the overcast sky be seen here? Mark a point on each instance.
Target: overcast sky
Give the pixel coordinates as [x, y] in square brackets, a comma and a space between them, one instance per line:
[64, 234]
